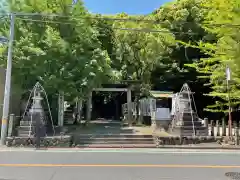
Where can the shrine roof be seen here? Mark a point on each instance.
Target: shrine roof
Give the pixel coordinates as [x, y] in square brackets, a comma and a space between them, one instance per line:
[161, 94]
[119, 85]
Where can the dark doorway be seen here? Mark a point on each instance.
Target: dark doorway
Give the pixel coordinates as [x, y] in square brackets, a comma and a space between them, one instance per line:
[108, 105]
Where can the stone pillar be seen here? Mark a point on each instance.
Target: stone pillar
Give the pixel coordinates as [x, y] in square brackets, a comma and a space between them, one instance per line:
[89, 107]
[218, 128]
[79, 108]
[205, 124]
[11, 125]
[212, 128]
[223, 127]
[129, 106]
[141, 111]
[61, 109]
[236, 135]
[153, 113]
[37, 117]
[116, 108]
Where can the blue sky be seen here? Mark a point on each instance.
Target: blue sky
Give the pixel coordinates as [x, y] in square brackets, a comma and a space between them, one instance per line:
[128, 6]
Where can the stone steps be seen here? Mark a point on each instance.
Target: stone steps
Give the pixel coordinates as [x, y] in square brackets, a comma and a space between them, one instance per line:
[23, 131]
[68, 116]
[115, 142]
[184, 123]
[117, 146]
[191, 123]
[116, 139]
[190, 127]
[27, 123]
[188, 117]
[113, 139]
[25, 127]
[188, 131]
[128, 136]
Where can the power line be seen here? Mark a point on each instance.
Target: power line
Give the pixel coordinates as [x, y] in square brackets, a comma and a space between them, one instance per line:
[73, 22]
[144, 30]
[113, 19]
[90, 17]
[118, 19]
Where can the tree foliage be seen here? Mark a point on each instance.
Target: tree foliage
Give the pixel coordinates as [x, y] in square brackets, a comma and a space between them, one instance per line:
[62, 52]
[220, 20]
[140, 51]
[182, 18]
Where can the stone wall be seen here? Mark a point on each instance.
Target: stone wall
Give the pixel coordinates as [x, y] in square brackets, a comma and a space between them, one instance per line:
[54, 141]
[177, 140]
[68, 141]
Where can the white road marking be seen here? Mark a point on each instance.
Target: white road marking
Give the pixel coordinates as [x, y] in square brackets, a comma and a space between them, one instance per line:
[147, 151]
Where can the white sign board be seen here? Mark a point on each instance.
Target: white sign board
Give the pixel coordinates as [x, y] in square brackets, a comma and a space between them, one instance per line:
[163, 114]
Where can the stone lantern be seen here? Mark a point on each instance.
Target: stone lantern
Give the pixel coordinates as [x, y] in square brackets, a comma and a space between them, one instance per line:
[184, 102]
[37, 114]
[37, 106]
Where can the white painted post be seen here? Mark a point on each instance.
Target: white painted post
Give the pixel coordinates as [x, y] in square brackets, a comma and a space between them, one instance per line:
[61, 109]
[153, 112]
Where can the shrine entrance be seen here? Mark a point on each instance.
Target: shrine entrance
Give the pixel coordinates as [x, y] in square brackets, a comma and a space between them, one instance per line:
[107, 102]
[99, 105]
[108, 105]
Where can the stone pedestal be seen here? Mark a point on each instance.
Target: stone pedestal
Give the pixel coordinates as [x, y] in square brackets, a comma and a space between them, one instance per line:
[186, 121]
[189, 125]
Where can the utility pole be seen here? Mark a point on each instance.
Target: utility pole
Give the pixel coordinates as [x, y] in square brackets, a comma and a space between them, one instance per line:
[7, 83]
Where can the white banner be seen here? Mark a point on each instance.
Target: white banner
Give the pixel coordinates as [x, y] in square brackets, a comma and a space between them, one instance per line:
[228, 74]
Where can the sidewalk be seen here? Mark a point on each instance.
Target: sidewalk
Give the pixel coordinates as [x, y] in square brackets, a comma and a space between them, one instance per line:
[120, 150]
[135, 146]
[200, 147]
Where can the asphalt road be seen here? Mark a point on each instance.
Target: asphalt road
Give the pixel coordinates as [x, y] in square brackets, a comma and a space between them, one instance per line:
[117, 165]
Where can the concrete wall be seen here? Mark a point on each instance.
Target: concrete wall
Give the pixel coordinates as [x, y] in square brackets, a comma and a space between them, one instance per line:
[14, 98]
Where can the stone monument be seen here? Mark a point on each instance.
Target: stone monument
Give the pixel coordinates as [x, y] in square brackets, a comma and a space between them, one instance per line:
[34, 121]
[185, 119]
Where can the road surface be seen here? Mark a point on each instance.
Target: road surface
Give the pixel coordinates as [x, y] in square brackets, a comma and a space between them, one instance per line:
[117, 165]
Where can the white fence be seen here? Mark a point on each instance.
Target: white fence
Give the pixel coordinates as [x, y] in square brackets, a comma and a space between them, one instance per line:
[217, 129]
[147, 107]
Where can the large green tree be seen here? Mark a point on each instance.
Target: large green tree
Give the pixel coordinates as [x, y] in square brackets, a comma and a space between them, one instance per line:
[62, 52]
[184, 18]
[222, 20]
[139, 50]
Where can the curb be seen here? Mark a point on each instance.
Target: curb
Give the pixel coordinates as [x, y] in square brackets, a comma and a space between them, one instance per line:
[114, 147]
[194, 147]
[119, 147]
[152, 147]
